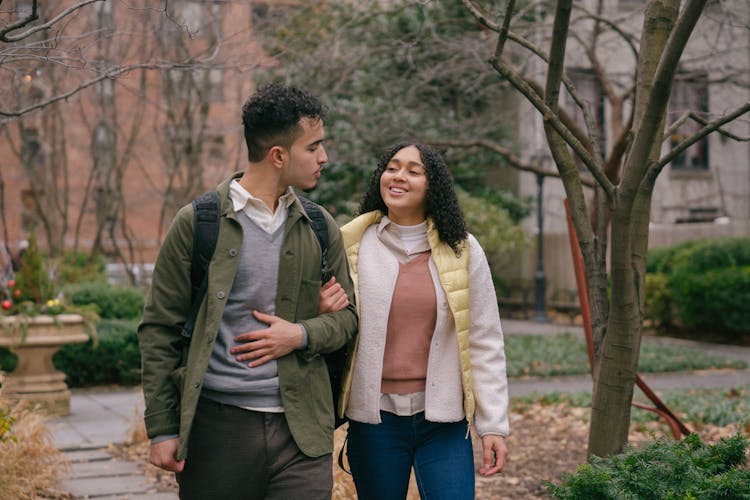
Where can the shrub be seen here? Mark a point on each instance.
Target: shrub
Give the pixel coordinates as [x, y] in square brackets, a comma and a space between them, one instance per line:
[660, 259]
[700, 284]
[115, 359]
[79, 267]
[716, 299]
[113, 301]
[658, 300]
[707, 255]
[665, 469]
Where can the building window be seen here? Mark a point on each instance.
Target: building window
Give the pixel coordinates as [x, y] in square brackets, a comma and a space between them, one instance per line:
[689, 94]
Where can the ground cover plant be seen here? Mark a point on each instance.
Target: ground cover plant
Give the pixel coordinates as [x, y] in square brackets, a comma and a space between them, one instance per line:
[703, 406]
[565, 354]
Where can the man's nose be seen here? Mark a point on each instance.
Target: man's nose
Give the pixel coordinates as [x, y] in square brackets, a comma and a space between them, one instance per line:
[323, 157]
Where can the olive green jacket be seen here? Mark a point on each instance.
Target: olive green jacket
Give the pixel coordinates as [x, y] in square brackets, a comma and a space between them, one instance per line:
[173, 370]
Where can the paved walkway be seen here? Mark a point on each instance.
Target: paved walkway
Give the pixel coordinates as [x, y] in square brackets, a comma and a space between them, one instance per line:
[101, 416]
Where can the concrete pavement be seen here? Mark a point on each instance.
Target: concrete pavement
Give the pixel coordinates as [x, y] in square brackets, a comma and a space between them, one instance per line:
[102, 415]
[98, 417]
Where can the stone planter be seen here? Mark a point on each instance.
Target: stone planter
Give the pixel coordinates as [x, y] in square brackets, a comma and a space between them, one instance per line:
[35, 381]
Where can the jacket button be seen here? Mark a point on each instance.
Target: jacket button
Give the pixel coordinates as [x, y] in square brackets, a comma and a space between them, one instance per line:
[197, 384]
[233, 252]
[220, 295]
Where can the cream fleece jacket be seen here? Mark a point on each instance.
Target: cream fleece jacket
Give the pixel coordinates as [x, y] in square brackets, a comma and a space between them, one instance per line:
[479, 387]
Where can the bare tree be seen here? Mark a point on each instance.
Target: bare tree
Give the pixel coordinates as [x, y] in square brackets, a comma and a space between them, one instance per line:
[100, 72]
[624, 175]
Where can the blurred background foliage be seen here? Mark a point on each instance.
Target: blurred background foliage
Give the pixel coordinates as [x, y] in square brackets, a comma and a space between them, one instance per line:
[397, 72]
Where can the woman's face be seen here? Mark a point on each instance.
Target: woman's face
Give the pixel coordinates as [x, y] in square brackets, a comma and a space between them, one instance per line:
[403, 187]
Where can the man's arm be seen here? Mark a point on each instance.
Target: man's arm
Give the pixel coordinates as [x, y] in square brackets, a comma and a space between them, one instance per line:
[335, 325]
[330, 331]
[167, 306]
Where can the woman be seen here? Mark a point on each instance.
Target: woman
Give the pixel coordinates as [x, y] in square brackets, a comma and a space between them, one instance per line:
[429, 358]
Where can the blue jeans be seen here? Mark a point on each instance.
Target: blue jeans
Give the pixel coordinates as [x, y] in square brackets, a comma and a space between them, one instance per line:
[381, 457]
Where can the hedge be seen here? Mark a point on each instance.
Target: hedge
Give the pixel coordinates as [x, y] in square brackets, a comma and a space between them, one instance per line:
[702, 284]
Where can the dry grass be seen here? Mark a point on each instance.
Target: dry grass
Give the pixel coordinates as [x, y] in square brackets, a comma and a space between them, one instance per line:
[29, 461]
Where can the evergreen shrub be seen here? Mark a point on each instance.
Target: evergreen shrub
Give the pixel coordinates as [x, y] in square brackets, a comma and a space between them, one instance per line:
[112, 301]
[700, 284]
[665, 469]
[114, 359]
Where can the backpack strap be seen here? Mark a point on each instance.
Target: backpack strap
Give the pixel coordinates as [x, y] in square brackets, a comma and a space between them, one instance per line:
[207, 211]
[320, 228]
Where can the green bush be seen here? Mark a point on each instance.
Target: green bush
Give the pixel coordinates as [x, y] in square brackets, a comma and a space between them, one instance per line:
[658, 300]
[707, 255]
[660, 259]
[115, 359]
[665, 469]
[716, 299]
[703, 284]
[112, 301]
[79, 267]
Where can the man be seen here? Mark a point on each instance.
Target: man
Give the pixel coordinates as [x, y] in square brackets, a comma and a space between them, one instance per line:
[244, 410]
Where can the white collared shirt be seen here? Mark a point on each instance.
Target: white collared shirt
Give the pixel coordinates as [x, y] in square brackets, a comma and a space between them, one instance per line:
[257, 210]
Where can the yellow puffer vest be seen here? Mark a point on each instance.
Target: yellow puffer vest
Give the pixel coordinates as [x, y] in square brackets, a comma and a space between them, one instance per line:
[454, 278]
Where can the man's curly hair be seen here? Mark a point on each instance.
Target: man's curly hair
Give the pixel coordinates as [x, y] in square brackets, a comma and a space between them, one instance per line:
[271, 117]
[442, 203]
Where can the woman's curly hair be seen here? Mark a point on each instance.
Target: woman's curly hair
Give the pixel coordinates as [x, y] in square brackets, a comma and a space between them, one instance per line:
[442, 203]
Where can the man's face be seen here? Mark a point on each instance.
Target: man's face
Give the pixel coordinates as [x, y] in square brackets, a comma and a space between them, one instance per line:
[306, 156]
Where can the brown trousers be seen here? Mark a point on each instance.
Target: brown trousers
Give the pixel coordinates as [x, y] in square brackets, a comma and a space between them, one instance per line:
[241, 454]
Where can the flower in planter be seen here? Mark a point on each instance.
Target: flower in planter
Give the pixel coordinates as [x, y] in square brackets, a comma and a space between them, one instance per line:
[30, 288]
[31, 291]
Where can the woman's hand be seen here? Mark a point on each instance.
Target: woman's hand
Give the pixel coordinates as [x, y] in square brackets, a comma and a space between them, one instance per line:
[332, 297]
[495, 452]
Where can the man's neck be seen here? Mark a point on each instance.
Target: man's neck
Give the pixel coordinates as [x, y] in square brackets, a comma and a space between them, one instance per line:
[263, 183]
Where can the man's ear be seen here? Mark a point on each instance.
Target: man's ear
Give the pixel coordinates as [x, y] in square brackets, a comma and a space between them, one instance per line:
[278, 155]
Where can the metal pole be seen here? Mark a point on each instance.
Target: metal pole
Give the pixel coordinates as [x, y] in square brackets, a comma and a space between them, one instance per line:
[540, 310]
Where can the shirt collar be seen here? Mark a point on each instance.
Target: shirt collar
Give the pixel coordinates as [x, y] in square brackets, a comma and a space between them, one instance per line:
[241, 197]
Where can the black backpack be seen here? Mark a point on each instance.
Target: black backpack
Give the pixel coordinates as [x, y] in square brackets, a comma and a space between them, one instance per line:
[207, 211]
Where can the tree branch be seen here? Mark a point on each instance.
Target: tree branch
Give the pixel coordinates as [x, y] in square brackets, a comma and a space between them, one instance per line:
[707, 129]
[509, 155]
[692, 114]
[661, 87]
[7, 38]
[554, 120]
[5, 116]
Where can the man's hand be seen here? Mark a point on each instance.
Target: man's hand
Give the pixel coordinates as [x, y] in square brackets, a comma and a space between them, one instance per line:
[279, 339]
[162, 455]
[495, 452]
[332, 297]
